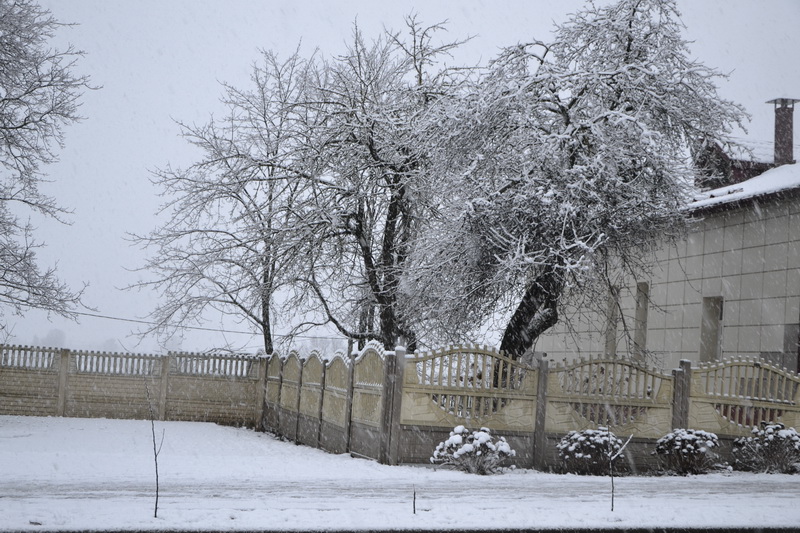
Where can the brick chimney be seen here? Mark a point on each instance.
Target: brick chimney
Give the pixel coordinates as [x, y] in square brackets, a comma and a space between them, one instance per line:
[784, 130]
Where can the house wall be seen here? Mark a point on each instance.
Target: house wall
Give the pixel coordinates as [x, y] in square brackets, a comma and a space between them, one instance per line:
[748, 256]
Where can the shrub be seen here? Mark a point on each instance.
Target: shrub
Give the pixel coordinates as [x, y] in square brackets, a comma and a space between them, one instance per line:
[476, 452]
[687, 451]
[588, 452]
[772, 449]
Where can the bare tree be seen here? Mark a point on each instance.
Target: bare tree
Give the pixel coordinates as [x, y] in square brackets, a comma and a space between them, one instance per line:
[568, 162]
[39, 94]
[311, 188]
[231, 234]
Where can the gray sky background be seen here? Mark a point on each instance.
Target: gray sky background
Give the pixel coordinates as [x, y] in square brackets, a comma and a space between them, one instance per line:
[158, 61]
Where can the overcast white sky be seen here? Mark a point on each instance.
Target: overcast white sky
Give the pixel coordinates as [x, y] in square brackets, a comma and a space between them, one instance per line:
[163, 60]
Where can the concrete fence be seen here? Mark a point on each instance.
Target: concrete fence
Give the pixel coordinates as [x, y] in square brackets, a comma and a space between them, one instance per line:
[190, 387]
[395, 407]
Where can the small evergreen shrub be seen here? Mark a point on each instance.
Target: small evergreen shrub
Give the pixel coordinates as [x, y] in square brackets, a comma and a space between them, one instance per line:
[474, 452]
[773, 449]
[687, 451]
[588, 452]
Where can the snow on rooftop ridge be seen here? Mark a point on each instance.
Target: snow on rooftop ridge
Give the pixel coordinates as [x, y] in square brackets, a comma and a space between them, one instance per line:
[782, 178]
[753, 150]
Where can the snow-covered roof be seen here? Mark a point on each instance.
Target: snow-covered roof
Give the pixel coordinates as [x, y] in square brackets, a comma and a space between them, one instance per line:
[752, 150]
[779, 179]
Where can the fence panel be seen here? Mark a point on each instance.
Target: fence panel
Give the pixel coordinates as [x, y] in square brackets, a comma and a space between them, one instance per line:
[469, 385]
[334, 402]
[368, 386]
[29, 380]
[732, 397]
[232, 366]
[272, 393]
[310, 400]
[619, 394]
[30, 357]
[119, 364]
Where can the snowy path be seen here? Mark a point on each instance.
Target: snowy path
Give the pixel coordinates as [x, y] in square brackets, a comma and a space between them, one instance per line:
[75, 474]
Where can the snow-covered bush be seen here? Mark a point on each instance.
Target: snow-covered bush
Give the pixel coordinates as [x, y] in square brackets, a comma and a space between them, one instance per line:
[772, 449]
[687, 451]
[475, 452]
[588, 452]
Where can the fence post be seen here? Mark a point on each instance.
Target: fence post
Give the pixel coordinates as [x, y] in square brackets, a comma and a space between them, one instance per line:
[389, 361]
[297, 404]
[63, 372]
[166, 362]
[321, 404]
[261, 394]
[681, 383]
[348, 401]
[539, 436]
[395, 430]
[277, 406]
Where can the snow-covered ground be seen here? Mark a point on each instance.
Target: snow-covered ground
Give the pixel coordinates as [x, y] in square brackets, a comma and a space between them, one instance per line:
[79, 474]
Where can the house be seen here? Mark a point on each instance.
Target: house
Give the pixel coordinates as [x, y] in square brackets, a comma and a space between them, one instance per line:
[731, 288]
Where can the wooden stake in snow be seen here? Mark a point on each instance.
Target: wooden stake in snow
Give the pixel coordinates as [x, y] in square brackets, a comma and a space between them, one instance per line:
[611, 459]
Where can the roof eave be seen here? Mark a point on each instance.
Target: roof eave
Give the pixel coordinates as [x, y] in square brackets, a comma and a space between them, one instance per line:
[789, 193]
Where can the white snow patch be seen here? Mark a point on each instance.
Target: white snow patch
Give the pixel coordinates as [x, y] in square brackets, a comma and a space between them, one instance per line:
[80, 474]
[783, 178]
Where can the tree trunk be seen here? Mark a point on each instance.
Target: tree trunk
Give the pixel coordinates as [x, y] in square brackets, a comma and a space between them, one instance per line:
[536, 313]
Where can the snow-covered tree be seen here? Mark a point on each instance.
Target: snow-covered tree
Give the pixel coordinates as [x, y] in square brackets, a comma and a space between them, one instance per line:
[566, 161]
[374, 128]
[39, 94]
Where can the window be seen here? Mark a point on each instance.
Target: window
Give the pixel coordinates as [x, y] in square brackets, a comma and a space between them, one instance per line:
[613, 319]
[711, 329]
[640, 320]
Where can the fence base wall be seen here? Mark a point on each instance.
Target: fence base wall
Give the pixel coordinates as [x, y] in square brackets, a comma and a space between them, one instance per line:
[418, 442]
[365, 440]
[308, 431]
[28, 392]
[333, 438]
[287, 424]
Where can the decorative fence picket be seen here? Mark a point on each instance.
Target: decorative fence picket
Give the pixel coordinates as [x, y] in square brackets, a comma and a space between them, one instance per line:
[609, 392]
[468, 385]
[213, 365]
[117, 363]
[734, 396]
[28, 357]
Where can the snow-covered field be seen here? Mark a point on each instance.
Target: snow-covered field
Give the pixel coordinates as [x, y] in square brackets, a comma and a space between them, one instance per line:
[79, 474]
